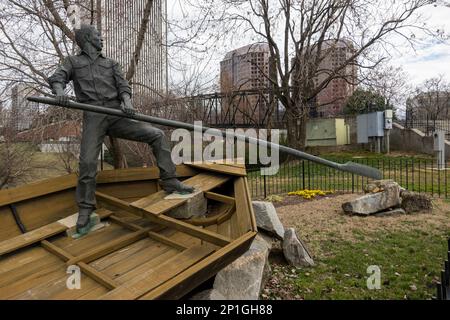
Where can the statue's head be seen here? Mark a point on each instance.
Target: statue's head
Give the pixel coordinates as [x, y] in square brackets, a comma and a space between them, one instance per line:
[88, 34]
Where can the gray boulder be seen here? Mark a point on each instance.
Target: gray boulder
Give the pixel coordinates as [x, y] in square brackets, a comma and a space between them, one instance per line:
[196, 206]
[267, 219]
[379, 186]
[375, 202]
[245, 278]
[295, 251]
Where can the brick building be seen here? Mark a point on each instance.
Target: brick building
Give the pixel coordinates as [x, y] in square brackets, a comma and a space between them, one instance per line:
[248, 68]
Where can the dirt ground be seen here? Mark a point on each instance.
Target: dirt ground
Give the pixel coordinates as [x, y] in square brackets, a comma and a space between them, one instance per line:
[321, 219]
[410, 248]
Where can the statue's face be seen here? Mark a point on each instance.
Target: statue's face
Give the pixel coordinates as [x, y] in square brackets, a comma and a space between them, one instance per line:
[96, 40]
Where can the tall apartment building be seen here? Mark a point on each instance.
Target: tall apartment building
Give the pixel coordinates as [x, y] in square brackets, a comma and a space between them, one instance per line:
[332, 99]
[22, 111]
[245, 69]
[119, 22]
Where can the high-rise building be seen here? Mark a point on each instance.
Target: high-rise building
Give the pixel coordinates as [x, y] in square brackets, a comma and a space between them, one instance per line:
[119, 21]
[246, 69]
[332, 99]
[22, 111]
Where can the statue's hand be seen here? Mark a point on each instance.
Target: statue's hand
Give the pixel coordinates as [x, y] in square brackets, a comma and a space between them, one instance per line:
[62, 100]
[127, 108]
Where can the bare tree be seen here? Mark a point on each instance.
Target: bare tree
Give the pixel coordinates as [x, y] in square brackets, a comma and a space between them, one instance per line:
[432, 100]
[302, 34]
[15, 160]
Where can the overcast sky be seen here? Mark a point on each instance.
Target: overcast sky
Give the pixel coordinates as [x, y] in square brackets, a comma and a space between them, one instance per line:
[431, 59]
[428, 60]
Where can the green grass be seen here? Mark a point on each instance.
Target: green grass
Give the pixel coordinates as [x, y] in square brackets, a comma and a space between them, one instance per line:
[407, 260]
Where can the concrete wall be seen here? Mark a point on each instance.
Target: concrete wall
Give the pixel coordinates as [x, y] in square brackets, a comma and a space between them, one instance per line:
[414, 140]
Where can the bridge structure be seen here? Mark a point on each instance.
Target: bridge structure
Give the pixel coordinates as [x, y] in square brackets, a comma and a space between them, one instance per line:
[257, 109]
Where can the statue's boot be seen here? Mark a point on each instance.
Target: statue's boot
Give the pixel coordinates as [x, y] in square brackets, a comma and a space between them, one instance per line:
[83, 222]
[174, 185]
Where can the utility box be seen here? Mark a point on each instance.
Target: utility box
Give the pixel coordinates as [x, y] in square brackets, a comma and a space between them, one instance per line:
[371, 125]
[376, 124]
[439, 148]
[439, 141]
[327, 133]
[388, 120]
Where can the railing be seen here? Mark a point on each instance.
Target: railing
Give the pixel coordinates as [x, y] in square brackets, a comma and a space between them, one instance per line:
[239, 109]
[428, 125]
[414, 174]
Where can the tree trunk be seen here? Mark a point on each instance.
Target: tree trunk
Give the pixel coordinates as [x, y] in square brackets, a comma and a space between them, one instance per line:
[296, 127]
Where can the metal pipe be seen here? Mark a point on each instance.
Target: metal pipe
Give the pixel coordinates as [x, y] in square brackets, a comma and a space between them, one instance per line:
[348, 167]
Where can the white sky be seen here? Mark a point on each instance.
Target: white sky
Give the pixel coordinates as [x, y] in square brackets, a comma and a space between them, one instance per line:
[431, 59]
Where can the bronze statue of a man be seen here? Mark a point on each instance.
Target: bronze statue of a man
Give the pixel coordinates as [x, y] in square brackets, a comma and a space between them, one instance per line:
[99, 81]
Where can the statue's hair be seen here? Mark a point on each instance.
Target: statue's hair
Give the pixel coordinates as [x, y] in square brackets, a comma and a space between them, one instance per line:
[80, 34]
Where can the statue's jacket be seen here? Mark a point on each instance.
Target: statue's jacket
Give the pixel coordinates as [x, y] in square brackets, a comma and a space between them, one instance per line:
[99, 81]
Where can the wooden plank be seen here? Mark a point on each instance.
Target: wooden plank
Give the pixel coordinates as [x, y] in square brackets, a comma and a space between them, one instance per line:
[31, 280]
[124, 254]
[87, 269]
[151, 263]
[24, 270]
[153, 235]
[152, 278]
[219, 197]
[92, 240]
[31, 237]
[52, 185]
[37, 235]
[98, 276]
[157, 205]
[250, 206]
[224, 229]
[220, 168]
[165, 221]
[21, 258]
[37, 189]
[242, 207]
[192, 277]
[167, 241]
[107, 248]
[139, 174]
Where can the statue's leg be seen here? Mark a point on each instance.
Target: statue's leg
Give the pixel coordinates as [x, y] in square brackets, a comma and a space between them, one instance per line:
[94, 131]
[144, 132]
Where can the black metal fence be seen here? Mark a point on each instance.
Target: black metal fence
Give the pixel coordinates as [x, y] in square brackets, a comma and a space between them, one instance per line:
[414, 174]
[428, 125]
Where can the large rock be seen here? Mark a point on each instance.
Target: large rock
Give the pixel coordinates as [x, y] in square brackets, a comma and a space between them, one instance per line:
[375, 202]
[208, 295]
[295, 251]
[391, 212]
[195, 206]
[267, 219]
[245, 278]
[379, 186]
[415, 202]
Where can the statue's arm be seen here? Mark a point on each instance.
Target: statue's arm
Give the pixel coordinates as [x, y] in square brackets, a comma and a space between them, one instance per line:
[124, 89]
[61, 77]
[122, 84]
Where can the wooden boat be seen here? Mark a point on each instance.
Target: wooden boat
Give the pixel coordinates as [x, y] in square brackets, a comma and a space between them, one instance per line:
[142, 253]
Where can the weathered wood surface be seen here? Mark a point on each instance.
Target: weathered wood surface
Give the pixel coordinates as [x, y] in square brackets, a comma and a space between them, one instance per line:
[141, 254]
[157, 205]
